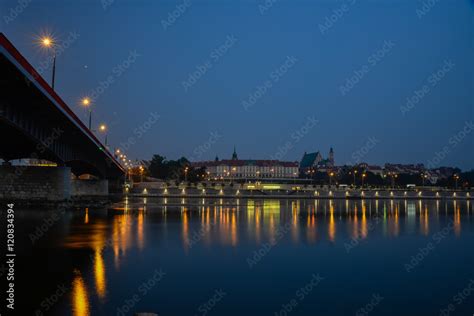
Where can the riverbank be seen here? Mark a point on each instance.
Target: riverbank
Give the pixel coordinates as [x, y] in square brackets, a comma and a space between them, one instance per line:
[304, 193]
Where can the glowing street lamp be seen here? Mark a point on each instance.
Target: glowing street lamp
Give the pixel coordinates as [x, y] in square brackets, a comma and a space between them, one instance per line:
[456, 178]
[424, 177]
[331, 175]
[354, 176]
[141, 173]
[363, 177]
[103, 129]
[48, 42]
[87, 103]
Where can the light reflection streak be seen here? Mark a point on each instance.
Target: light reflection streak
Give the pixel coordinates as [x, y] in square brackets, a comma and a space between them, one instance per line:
[332, 224]
[80, 299]
[99, 273]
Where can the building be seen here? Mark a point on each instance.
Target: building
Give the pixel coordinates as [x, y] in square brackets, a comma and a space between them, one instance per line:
[235, 168]
[377, 170]
[315, 161]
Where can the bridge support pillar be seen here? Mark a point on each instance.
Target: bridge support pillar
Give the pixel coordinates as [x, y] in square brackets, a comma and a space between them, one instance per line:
[91, 188]
[35, 183]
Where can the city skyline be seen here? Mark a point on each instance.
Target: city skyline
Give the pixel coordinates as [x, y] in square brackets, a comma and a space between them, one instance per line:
[319, 94]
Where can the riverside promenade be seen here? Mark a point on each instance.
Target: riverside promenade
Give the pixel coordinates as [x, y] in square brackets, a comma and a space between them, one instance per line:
[291, 191]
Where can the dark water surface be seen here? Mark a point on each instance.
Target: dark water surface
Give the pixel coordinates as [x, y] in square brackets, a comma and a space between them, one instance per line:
[248, 257]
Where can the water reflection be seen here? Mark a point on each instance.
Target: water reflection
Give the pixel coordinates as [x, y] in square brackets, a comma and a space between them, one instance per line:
[99, 273]
[132, 226]
[80, 299]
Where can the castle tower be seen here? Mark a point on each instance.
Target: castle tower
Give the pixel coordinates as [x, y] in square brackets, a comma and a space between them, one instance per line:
[234, 155]
[331, 156]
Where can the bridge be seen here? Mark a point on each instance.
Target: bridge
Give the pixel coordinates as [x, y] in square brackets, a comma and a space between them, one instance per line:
[36, 123]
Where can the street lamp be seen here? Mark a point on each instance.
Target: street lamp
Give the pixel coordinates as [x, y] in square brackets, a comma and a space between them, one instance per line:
[87, 103]
[103, 129]
[141, 173]
[424, 176]
[48, 42]
[363, 176]
[456, 178]
[354, 174]
[186, 174]
[331, 175]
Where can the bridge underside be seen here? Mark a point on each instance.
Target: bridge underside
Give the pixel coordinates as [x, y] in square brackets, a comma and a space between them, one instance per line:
[32, 125]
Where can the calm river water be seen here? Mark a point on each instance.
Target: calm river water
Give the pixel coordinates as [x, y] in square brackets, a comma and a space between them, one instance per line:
[247, 257]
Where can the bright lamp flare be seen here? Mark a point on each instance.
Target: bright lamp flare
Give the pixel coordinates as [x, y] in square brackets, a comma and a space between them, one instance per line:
[47, 41]
[86, 101]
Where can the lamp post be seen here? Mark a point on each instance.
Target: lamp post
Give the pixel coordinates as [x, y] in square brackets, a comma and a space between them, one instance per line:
[456, 178]
[363, 176]
[48, 42]
[103, 129]
[354, 174]
[331, 174]
[87, 103]
[141, 173]
[186, 174]
[424, 176]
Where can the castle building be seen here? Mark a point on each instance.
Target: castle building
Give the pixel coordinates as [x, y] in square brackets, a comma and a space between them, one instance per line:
[235, 168]
[315, 161]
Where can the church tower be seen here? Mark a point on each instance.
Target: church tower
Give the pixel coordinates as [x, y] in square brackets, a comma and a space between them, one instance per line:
[234, 155]
[331, 156]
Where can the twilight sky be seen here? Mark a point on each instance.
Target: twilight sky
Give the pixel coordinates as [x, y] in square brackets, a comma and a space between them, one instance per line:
[380, 81]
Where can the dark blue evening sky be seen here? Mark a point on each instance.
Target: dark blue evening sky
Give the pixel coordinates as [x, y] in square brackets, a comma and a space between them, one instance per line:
[390, 49]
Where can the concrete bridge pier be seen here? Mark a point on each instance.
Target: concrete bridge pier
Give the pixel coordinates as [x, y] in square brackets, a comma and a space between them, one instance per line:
[46, 183]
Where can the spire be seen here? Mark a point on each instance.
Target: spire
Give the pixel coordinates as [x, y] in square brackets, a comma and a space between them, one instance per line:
[234, 154]
[331, 156]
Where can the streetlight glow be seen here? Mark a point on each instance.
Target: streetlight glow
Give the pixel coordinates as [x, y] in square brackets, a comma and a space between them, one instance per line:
[86, 101]
[47, 41]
